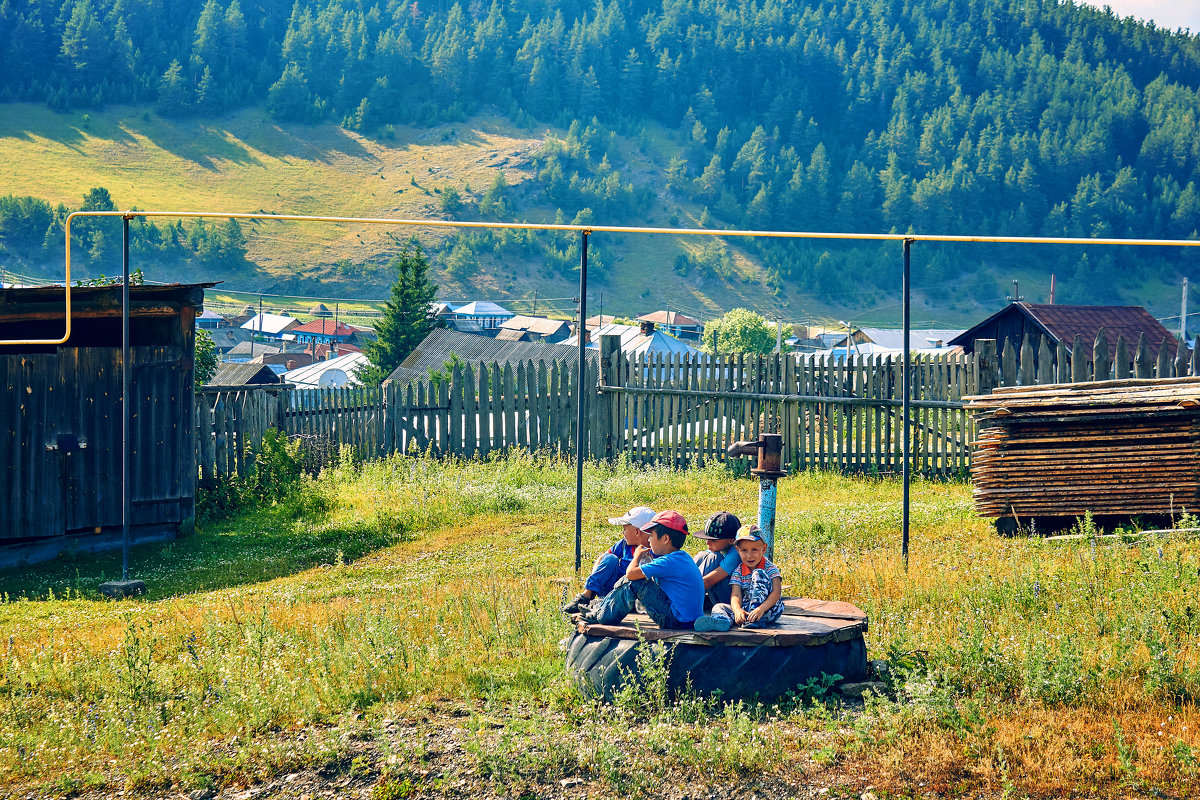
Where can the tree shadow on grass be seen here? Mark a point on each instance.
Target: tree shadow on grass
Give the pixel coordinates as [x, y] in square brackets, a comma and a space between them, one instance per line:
[250, 548]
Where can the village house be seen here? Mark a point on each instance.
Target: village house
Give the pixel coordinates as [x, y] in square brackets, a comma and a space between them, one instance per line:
[533, 329]
[676, 324]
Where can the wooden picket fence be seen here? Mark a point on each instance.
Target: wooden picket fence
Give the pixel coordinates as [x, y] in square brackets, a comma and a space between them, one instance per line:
[837, 414]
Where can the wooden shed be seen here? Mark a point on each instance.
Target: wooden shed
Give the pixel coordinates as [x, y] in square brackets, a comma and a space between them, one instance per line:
[1020, 322]
[60, 435]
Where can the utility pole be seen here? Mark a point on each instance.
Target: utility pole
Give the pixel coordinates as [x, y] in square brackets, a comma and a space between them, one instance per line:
[1052, 288]
[330, 354]
[534, 312]
[1183, 315]
[778, 335]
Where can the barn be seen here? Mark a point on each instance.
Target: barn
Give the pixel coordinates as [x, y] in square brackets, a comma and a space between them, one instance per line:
[60, 419]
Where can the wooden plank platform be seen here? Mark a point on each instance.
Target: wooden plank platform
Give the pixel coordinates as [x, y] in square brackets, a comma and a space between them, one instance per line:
[806, 622]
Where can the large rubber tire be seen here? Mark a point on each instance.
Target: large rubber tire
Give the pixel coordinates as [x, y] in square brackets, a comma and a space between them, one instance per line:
[599, 666]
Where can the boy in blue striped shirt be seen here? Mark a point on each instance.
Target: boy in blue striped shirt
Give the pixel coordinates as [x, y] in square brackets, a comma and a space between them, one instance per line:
[757, 588]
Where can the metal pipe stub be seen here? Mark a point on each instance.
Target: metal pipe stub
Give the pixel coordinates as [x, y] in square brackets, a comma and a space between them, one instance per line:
[768, 448]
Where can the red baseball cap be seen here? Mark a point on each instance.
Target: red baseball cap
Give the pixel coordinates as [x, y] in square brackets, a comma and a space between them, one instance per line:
[671, 519]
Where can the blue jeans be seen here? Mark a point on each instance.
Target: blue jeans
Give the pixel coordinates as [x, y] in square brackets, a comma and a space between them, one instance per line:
[772, 616]
[605, 574]
[620, 604]
[720, 592]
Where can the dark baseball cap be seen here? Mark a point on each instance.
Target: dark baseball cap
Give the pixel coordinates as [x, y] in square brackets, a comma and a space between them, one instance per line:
[722, 525]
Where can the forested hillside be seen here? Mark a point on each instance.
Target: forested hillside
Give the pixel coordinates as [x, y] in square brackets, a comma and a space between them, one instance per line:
[1015, 117]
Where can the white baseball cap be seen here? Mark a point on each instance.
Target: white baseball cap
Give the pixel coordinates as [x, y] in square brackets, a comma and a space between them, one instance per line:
[637, 517]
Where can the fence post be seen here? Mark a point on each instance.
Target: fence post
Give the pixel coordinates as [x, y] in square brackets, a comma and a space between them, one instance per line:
[1143, 365]
[1181, 360]
[1121, 360]
[1026, 364]
[1045, 362]
[1008, 364]
[986, 373]
[1101, 365]
[1163, 367]
[1079, 363]
[610, 375]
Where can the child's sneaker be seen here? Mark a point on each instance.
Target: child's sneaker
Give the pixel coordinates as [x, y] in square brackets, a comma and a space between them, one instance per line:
[578, 604]
[713, 624]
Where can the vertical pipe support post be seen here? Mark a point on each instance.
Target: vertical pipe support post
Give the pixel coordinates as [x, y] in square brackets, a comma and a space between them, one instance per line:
[581, 333]
[125, 587]
[126, 505]
[905, 410]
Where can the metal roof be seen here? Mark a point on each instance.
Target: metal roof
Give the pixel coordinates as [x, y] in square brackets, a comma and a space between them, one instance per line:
[634, 341]
[673, 318]
[542, 326]
[268, 323]
[482, 308]
[1062, 323]
[243, 375]
[310, 376]
[918, 339]
[434, 351]
[325, 327]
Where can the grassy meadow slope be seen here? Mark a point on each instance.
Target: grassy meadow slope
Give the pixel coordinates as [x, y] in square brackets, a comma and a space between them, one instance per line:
[246, 162]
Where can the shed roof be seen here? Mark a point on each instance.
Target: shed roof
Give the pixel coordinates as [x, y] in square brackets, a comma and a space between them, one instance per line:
[542, 326]
[243, 375]
[155, 313]
[433, 352]
[670, 318]
[1062, 323]
[325, 327]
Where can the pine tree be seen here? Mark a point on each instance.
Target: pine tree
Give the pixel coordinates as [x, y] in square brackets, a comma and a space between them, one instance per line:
[407, 317]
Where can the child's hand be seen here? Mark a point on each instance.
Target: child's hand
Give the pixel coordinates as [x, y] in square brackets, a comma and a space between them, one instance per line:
[739, 616]
[756, 614]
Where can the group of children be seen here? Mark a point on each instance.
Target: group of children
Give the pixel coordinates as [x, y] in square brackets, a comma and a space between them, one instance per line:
[731, 579]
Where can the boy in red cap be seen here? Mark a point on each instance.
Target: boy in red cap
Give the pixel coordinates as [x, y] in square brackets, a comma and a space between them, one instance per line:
[669, 586]
[757, 597]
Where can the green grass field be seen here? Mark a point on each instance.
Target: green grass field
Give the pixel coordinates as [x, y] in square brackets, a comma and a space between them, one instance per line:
[391, 630]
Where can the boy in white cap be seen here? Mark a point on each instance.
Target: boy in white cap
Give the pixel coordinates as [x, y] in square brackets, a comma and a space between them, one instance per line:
[757, 596]
[669, 586]
[612, 563]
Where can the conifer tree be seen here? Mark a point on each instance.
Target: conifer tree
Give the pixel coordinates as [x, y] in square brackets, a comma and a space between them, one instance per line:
[407, 318]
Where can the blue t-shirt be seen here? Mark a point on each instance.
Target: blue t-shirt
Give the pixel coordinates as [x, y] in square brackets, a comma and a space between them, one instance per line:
[624, 553]
[731, 561]
[679, 577]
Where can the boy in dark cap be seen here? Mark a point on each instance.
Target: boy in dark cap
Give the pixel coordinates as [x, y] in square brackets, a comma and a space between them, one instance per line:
[757, 584]
[719, 561]
[669, 586]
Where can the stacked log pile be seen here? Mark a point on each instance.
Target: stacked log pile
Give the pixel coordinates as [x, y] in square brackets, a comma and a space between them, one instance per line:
[1119, 448]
